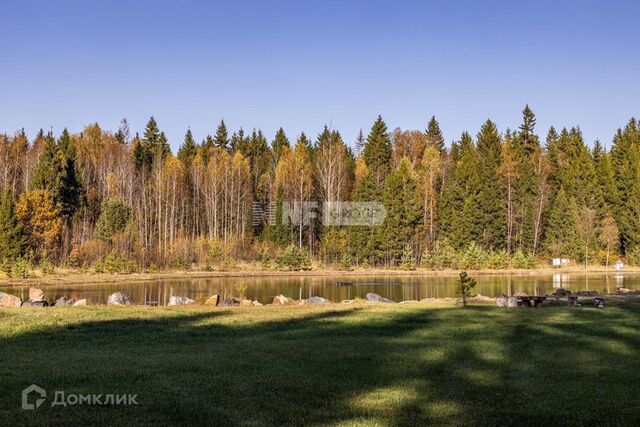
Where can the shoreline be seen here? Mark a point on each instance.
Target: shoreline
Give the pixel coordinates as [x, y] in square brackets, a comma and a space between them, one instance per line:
[78, 278]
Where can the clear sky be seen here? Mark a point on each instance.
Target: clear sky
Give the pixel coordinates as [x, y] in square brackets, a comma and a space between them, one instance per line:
[303, 64]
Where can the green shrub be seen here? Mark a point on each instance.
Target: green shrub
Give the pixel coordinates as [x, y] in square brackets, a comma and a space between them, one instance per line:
[497, 260]
[406, 262]
[633, 256]
[293, 258]
[114, 217]
[265, 260]
[114, 264]
[443, 256]
[345, 261]
[180, 263]
[46, 267]
[473, 257]
[21, 268]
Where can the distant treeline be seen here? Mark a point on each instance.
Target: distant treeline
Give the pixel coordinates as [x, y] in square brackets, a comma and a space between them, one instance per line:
[81, 199]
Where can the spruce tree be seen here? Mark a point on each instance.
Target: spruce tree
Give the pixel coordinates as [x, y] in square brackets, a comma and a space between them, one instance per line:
[434, 135]
[12, 239]
[221, 139]
[625, 158]
[464, 203]
[490, 197]
[377, 152]
[280, 142]
[57, 173]
[188, 150]
[562, 237]
[403, 204]
[360, 141]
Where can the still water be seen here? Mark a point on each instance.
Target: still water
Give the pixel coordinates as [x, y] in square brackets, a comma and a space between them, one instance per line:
[397, 288]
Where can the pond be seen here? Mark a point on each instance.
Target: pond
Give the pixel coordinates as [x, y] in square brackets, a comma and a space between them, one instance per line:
[397, 288]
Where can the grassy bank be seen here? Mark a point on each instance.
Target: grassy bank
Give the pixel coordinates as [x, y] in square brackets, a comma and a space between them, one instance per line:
[384, 365]
[66, 276]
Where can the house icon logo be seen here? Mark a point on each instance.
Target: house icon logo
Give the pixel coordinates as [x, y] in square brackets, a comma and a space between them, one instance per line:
[33, 389]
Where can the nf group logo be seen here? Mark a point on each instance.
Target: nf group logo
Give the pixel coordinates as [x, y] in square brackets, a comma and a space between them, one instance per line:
[32, 397]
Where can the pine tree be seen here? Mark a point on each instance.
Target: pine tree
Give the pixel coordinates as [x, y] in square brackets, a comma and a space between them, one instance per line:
[377, 152]
[12, 240]
[465, 285]
[434, 135]
[221, 139]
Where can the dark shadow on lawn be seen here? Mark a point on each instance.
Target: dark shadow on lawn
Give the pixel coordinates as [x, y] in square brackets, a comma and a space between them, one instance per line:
[414, 367]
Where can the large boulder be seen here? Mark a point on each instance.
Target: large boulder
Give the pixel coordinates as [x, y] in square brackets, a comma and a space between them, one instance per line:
[501, 301]
[373, 297]
[80, 302]
[318, 300]
[520, 293]
[180, 301]
[212, 300]
[245, 303]
[65, 301]
[8, 300]
[36, 294]
[118, 298]
[282, 300]
[256, 304]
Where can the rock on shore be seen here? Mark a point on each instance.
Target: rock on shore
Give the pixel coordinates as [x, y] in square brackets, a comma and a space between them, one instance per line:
[118, 298]
[8, 300]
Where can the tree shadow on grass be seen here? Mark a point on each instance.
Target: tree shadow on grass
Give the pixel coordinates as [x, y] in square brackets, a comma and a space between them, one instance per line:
[408, 366]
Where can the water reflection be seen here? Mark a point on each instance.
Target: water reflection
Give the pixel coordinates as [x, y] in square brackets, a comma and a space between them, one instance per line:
[396, 288]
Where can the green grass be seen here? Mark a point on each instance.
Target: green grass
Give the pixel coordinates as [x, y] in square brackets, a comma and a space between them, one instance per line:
[370, 365]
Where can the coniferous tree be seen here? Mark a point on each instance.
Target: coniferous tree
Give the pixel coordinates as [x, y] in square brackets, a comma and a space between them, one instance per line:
[221, 139]
[279, 143]
[12, 239]
[562, 237]
[360, 141]
[464, 206]
[403, 203]
[434, 134]
[57, 173]
[377, 152]
[188, 149]
[490, 197]
[625, 157]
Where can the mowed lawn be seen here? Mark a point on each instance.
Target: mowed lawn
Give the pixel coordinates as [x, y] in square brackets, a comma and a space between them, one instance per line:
[338, 365]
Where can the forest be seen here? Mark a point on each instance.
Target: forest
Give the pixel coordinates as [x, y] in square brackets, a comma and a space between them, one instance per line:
[119, 202]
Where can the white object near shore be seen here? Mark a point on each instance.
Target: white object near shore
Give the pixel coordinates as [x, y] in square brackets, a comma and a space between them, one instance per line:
[560, 262]
[619, 265]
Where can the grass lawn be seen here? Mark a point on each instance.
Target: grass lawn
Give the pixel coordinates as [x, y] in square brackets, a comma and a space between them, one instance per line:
[339, 365]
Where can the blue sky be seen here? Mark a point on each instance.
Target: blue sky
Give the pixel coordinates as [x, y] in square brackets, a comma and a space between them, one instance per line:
[301, 65]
